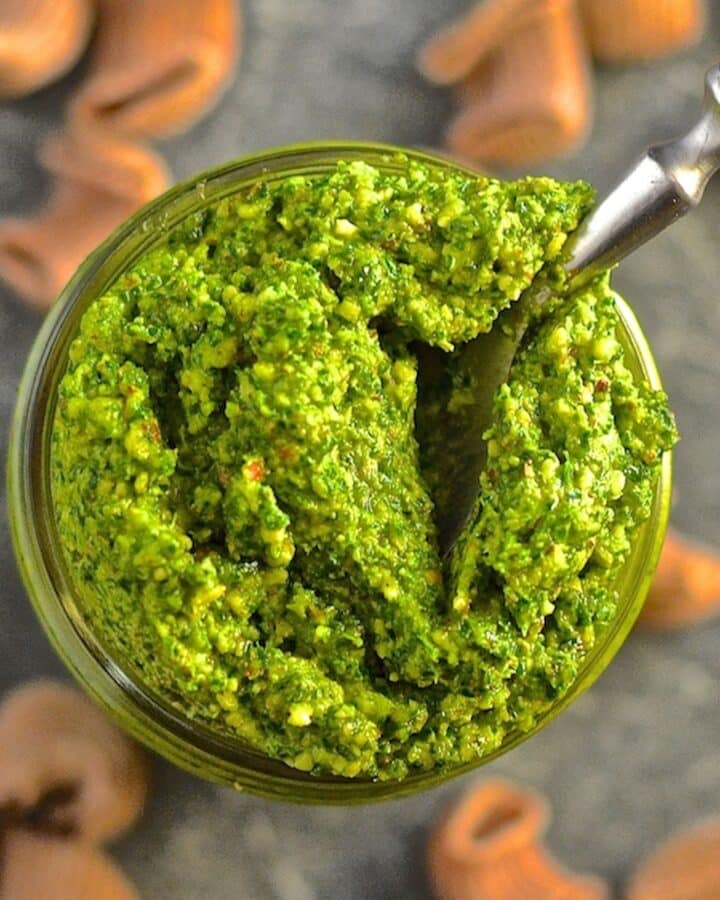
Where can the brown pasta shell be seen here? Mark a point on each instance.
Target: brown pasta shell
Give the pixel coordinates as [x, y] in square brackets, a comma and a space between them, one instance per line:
[489, 847]
[686, 586]
[65, 767]
[686, 867]
[38, 867]
[531, 100]
[40, 40]
[157, 65]
[624, 30]
[99, 181]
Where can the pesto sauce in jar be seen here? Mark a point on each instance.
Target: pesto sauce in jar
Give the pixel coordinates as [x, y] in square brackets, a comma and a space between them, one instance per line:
[243, 497]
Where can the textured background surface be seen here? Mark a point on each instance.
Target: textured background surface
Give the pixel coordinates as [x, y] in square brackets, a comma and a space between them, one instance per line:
[640, 753]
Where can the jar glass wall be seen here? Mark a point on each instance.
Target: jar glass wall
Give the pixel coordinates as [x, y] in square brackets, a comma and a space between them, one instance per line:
[108, 678]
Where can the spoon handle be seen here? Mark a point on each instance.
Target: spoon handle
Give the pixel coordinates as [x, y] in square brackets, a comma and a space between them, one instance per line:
[665, 184]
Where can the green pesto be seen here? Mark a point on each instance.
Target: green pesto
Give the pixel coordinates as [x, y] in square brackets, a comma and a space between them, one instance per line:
[241, 490]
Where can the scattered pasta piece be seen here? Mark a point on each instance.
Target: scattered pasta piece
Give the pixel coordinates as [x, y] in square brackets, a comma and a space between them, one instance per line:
[40, 40]
[457, 49]
[687, 867]
[99, 181]
[641, 29]
[38, 867]
[489, 847]
[157, 64]
[64, 767]
[532, 99]
[686, 587]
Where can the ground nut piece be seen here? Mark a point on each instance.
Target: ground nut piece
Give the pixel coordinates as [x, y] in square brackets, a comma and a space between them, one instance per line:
[489, 848]
[687, 867]
[157, 64]
[38, 867]
[64, 766]
[39, 41]
[686, 587]
[532, 100]
[641, 29]
[99, 181]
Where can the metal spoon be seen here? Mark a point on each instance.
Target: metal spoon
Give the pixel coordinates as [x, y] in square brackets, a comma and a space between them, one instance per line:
[664, 185]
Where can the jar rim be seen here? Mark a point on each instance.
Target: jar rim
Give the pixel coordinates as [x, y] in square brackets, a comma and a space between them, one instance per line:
[40, 558]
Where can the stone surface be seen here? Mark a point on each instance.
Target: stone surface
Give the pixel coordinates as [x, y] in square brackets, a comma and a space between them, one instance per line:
[640, 753]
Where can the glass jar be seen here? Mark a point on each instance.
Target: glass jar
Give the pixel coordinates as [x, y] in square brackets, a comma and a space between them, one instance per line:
[145, 715]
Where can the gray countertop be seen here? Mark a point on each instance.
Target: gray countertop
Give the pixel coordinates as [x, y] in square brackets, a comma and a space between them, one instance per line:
[639, 754]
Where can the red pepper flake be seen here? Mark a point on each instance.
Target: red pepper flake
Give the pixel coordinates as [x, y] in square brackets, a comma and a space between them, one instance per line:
[254, 470]
[151, 428]
[601, 385]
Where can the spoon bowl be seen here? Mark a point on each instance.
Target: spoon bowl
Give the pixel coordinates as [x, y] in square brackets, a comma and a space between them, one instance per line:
[665, 184]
